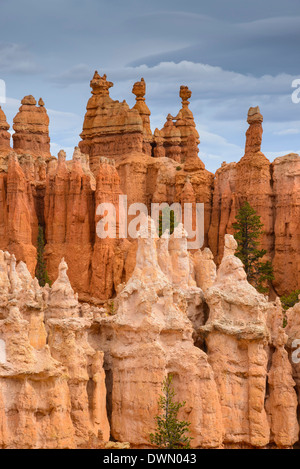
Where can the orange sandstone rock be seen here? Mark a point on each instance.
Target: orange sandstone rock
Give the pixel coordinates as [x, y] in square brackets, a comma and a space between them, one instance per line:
[68, 342]
[282, 402]
[179, 139]
[293, 331]
[51, 396]
[107, 191]
[110, 129]
[185, 123]
[172, 139]
[31, 126]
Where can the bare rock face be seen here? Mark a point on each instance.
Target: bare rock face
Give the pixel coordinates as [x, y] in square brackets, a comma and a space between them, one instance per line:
[230, 245]
[205, 268]
[224, 208]
[52, 363]
[34, 395]
[254, 132]
[192, 160]
[107, 192]
[31, 126]
[35, 401]
[250, 179]
[110, 129]
[293, 331]
[159, 149]
[148, 323]
[151, 169]
[139, 90]
[286, 175]
[62, 301]
[51, 396]
[185, 122]
[254, 174]
[55, 208]
[4, 134]
[171, 139]
[194, 184]
[179, 139]
[72, 199]
[69, 219]
[282, 401]
[232, 363]
[79, 223]
[236, 337]
[18, 284]
[68, 342]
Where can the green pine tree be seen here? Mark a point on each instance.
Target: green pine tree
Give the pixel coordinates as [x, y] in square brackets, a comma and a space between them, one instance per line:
[288, 301]
[167, 220]
[170, 432]
[41, 271]
[248, 229]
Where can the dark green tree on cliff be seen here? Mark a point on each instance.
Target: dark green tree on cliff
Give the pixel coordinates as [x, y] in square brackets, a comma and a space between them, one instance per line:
[248, 229]
[170, 432]
[41, 271]
[167, 220]
[289, 300]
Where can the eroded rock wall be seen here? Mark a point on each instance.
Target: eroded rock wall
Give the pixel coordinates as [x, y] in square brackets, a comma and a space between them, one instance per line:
[52, 383]
[31, 126]
[83, 370]
[72, 374]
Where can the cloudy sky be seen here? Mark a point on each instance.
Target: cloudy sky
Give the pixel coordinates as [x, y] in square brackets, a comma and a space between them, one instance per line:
[231, 54]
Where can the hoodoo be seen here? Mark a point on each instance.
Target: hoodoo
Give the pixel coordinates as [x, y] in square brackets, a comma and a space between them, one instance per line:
[31, 126]
[82, 360]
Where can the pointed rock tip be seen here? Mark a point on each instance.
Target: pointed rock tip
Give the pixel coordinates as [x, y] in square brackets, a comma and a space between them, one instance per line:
[254, 115]
[77, 154]
[29, 100]
[61, 156]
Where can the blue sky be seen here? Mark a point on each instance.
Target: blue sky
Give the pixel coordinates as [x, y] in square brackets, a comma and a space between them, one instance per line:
[232, 55]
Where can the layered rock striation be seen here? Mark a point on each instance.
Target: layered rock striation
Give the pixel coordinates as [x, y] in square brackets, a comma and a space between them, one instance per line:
[163, 167]
[52, 383]
[74, 376]
[31, 126]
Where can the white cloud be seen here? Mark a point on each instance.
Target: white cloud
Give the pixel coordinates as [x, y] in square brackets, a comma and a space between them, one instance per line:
[16, 58]
[287, 132]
